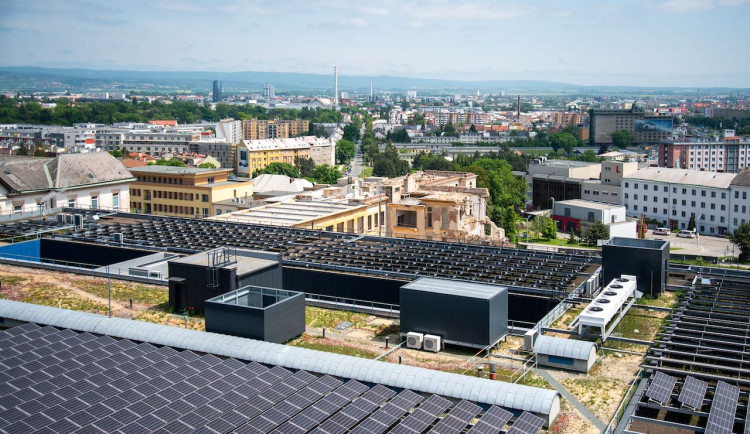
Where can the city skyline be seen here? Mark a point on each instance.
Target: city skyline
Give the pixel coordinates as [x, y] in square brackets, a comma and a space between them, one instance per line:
[693, 43]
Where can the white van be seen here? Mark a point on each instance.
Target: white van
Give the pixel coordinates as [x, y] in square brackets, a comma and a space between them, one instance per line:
[686, 234]
[662, 231]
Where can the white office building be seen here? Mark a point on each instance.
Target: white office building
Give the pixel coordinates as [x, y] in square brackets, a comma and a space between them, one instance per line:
[673, 196]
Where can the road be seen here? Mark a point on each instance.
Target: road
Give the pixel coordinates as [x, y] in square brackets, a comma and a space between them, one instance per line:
[356, 163]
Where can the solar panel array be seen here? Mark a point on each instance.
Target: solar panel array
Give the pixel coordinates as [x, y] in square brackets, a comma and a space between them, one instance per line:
[527, 423]
[723, 409]
[325, 250]
[702, 351]
[493, 420]
[693, 391]
[661, 387]
[54, 381]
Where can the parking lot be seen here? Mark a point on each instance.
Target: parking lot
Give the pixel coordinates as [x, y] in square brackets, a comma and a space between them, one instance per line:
[701, 245]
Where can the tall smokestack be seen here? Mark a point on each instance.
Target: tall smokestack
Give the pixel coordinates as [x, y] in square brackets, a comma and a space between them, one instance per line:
[519, 108]
[335, 86]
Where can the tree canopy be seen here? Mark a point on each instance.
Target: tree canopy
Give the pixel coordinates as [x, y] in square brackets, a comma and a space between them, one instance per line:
[741, 239]
[622, 138]
[563, 141]
[345, 151]
[326, 174]
[170, 162]
[278, 169]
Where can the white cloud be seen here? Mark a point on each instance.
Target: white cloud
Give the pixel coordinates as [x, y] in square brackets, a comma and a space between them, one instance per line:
[442, 10]
[355, 22]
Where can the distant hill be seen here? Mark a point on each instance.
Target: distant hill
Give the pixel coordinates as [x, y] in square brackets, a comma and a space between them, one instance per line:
[49, 79]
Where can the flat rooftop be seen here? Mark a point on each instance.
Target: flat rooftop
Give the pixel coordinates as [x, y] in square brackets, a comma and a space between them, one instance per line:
[588, 204]
[455, 287]
[697, 178]
[244, 264]
[175, 170]
[287, 213]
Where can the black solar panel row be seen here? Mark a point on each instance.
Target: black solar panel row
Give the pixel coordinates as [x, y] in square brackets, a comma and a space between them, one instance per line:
[660, 389]
[356, 411]
[723, 409]
[457, 419]
[423, 416]
[527, 423]
[381, 420]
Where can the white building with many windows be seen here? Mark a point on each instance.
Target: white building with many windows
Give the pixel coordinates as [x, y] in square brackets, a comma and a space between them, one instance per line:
[93, 180]
[673, 196]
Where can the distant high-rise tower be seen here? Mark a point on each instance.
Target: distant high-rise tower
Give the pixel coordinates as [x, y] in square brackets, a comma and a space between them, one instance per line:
[217, 91]
[335, 86]
[269, 92]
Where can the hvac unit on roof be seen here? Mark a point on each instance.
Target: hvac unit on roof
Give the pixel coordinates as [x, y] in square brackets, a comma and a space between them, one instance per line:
[431, 343]
[414, 340]
[117, 238]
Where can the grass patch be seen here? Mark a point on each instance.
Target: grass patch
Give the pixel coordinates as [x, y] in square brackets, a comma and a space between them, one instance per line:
[52, 295]
[319, 344]
[12, 280]
[139, 293]
[366, 172]
[318, 317]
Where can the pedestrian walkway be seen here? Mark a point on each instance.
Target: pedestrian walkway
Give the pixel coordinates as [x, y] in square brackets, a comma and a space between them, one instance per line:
[585, 412]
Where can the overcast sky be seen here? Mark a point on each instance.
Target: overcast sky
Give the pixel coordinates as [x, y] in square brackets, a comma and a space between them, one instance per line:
[605, 42]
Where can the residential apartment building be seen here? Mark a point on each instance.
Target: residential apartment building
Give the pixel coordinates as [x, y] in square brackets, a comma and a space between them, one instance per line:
[223, 151]
[94, 180]
[645, 129]
[255, 129]
[729, 154]
[229, 130]
[183, 192]
[718, 201]
[149, 142]
[257, 154]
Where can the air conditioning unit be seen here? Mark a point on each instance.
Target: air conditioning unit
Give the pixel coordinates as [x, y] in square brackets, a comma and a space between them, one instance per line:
[529, 339]
[431, 343]
[69, 219]
[117, 238]
[414, 340]
[78, 220]
[61, 218]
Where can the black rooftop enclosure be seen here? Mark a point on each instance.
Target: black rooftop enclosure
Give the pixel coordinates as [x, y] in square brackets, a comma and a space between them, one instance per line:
[460, 312]
[196, 278]
[267, 314]
[648, 260]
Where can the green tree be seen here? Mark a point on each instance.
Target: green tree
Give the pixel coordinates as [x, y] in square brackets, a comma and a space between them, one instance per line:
[116, 154]
[563, 141]
[345, 151]
[741, 239]
[473, 128]
[171, 162]
[326, 174]
[399, 136]
[691, 223]
[278, 169]
[595, 232]
[539, 225]
[351, 133]
[449, 129]
[388, 163]
[508, 222]
[207, 165]
[550, 230]
[306, 166]
[622, 138]
[590, 157]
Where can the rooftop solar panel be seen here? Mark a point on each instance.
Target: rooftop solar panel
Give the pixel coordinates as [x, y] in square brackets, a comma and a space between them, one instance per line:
[527, 423]
[381, 420]
[423, 416]
[356, 411]
[723, 409]
[692, 393]
[493, 420]
[661, 387]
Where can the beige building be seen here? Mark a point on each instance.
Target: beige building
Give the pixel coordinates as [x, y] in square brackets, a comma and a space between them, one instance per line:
[183, 191]
[255, 129]
[440, 206]
[608, 189]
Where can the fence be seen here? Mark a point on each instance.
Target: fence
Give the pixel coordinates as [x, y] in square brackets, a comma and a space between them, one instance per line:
[620, 412]
[13, 216]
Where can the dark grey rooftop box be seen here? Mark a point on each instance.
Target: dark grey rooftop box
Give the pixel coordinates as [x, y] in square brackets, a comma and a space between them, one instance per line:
[648, 260]
[460, 312]
[267, 314]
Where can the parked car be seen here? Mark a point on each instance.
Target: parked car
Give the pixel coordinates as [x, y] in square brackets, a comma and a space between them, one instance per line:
[686, 234]
[662, 231]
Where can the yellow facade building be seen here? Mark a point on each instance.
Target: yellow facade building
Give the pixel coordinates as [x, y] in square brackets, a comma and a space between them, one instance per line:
[183, 191]
[254, 129]
[257, 154]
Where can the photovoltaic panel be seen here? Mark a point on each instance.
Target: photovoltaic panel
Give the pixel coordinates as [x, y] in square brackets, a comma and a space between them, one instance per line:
[527, 423]
[321, 410]
[723, 409]
[661, 387]
[692, 393]
[747, 421]
[389, 414]
[356, 411]
[423, 416]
